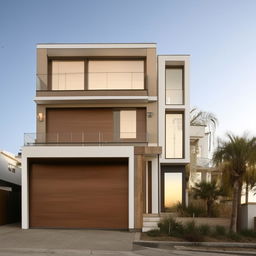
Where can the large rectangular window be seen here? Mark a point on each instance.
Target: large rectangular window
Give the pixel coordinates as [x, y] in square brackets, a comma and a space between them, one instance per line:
[174, 135]
[128, 124]
[116, 75]
[174, 85]
[67, 75]
[172, 190]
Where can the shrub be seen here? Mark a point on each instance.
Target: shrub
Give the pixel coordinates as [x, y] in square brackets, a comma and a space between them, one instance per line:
[153, 232]
[248, 233]
[234, 236]
[190, 226]
[204, 230]
[170, 227]
[220, 231]
[191, 232]
[194, 237]
[191, 210]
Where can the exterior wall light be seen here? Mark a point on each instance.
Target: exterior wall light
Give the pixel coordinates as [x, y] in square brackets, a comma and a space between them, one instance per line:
[149, 114]
[40, 117]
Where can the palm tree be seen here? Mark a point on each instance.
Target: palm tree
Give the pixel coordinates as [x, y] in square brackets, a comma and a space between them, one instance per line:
[198, 117]
[236, 156]
[208, 191]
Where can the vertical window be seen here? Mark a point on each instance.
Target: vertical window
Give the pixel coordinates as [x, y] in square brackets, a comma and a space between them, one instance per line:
[67, 75]
[172, 189]
[116, 75]
[174, 85]
[174, 135]
[127, 124]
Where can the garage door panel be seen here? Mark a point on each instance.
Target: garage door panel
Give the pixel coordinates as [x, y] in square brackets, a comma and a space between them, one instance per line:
[79, 196]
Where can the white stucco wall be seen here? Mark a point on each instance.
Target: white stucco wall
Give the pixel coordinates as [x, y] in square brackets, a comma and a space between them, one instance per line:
[76, 152]
[163, 61]
[248, 212]
[6, 174]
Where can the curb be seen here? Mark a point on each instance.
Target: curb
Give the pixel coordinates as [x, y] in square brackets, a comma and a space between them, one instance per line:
[161, 244]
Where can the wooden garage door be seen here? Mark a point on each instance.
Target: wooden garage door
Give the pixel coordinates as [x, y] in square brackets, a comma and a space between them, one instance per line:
[79, 195]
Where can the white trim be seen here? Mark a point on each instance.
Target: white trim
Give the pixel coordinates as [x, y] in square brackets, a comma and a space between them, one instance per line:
[94, 98]
[152, 98]
[162, 107]
[155, 194]
[73, 152]
[93, 46]
[146, 186]
[6, 188]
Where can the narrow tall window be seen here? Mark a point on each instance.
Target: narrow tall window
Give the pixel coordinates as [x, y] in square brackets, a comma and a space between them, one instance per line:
[128, 124]
[174, 85]
[172, 189]
[174, 135]
[116, 75]
[67, 75]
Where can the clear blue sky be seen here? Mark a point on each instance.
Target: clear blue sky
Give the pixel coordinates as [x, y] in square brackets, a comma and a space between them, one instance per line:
[220, 35]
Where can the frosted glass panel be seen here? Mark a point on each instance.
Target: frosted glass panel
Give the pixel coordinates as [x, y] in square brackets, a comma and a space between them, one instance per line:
[172, 189]
[67, 75]
[174, 136]
[115, 75]
[174, 86]
[128, 124]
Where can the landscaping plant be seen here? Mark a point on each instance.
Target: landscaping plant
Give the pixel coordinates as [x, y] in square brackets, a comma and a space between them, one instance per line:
[236, 156]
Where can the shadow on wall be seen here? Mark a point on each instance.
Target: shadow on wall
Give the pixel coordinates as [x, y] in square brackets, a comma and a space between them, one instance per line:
[10, 203]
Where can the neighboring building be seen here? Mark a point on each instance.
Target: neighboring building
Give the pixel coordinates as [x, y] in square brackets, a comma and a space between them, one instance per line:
[201, 152]
[112, 138]
[10, 188]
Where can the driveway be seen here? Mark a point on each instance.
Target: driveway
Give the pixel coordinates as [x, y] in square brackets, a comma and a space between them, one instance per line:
[12, 236]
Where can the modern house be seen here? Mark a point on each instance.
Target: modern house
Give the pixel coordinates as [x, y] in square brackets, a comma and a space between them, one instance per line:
[10, 188]
[201, 152]
[112, 136]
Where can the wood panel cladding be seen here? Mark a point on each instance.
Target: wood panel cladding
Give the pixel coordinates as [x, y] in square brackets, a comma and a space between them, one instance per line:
[79, 124]
[75, 125]
[92, 194]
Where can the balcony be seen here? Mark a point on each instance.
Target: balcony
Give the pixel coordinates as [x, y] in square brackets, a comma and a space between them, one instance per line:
[118, 87]
[85, 138]
[91, 81]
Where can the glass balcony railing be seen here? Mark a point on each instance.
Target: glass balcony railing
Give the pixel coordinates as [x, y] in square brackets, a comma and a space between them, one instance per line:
[174, 96]
[84, 138]
[91, 81]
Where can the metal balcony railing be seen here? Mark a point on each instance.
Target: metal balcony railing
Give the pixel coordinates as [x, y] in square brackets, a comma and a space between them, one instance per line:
[91, 81]
[84, 138]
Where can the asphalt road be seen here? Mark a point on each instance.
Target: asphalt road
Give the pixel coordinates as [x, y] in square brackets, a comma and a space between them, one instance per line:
[140, 252]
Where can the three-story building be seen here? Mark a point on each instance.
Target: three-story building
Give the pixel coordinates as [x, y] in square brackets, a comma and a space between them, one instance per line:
[112, 138]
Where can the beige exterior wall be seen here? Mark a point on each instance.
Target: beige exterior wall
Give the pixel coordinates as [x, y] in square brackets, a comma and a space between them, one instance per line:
[150, 88]
[150, 107]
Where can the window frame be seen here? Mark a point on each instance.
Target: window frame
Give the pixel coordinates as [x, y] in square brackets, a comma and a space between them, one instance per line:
[136, 135]
[172, 169]
[117, 59]
[183, 84]
[86, 60]
[183, 133]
